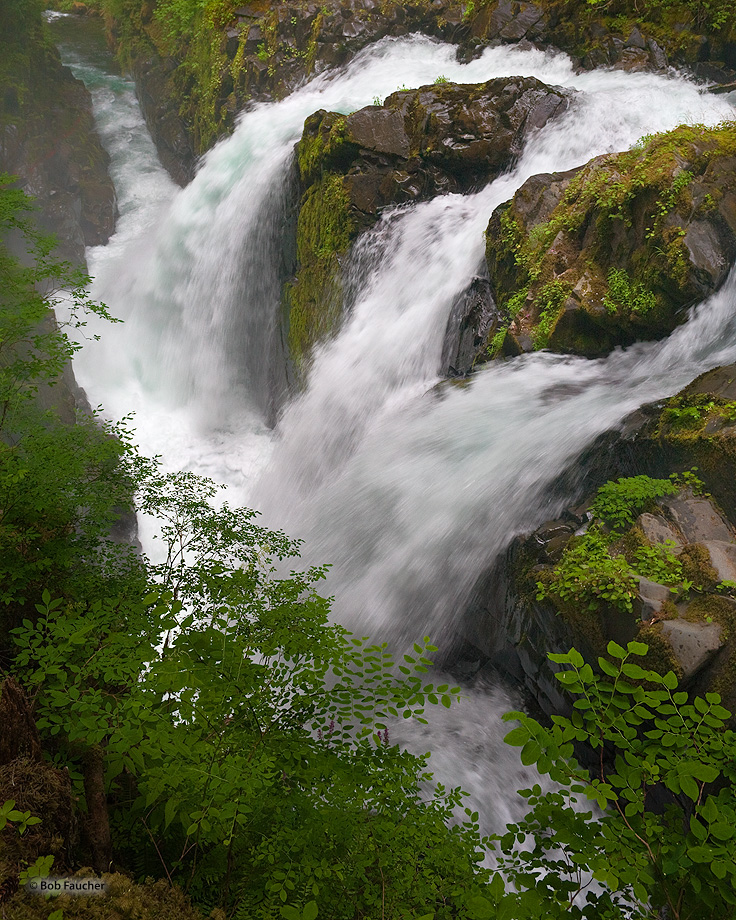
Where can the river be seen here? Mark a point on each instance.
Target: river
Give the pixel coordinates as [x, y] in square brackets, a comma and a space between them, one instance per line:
[407, 488]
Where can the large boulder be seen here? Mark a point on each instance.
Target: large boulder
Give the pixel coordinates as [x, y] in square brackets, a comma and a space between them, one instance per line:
[416, 145]
[616, 251]
[688, 619]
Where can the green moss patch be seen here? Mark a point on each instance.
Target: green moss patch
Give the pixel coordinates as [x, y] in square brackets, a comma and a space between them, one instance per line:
[325, 230]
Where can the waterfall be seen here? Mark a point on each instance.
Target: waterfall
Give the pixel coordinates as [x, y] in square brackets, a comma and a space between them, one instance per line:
[408, 486]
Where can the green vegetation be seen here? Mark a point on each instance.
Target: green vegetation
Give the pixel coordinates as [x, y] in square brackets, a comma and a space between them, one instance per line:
[619, 503]
[598, 569]
[325, 229]
[691, 413]
[588, 576]
[618, 229]
[626, 298]
[676, 860]
[550, 303]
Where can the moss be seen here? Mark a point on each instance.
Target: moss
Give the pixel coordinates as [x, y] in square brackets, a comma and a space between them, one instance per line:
[325, 230]
[124, 900]
[709, 608]
[323, 147]
[660, 656]
[620, 218]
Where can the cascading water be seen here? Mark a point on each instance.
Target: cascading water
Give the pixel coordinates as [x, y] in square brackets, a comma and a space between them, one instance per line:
[407, 488]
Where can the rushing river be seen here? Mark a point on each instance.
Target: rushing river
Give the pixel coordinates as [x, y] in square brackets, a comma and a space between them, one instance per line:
[406, 488]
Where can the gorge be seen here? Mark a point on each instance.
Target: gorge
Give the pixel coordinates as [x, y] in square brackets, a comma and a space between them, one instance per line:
[407, 487]
[410, 483]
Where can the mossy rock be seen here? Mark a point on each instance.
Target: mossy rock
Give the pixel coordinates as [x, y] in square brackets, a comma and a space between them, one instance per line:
[614, 252]
[416, 145]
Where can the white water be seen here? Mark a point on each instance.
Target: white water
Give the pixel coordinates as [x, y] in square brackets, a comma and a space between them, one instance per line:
[408, 489]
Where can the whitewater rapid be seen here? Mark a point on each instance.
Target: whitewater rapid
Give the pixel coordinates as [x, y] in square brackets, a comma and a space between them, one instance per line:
[408, 486]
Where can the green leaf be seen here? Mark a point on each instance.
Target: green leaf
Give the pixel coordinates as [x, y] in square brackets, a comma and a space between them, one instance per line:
[689, 787]
[517, 736]
[310, 910]
[480, 908]
[670, 680]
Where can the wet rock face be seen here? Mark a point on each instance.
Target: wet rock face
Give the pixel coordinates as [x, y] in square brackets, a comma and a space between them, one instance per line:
[616, 251]
[420, 143]
[157, 98]
[689, 630]
[48, 139]
[472, 323]
[436, 139]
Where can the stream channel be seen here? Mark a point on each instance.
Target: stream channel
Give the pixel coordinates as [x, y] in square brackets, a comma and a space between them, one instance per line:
[407, 488]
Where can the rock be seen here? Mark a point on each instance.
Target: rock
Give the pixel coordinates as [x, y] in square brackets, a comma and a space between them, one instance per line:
[420, 143]
[693, 644]
[636, 40]
[48, 139]
[657, 530]
[650, 598]
[174, 141]
[657, 56]
[721, 382]
[471, 325]
[596, 295]
[723, 558]
[697, 519]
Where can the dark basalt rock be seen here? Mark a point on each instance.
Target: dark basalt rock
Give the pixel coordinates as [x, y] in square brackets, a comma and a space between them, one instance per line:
[429, 141]
[663, 218]
[420, 143]
[158, 103]
[48, 139]
[472, 323]
[509, 627]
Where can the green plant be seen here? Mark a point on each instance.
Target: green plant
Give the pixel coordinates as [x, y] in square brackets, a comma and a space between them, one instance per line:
[626, 298]
[441, 80]
[588, 575]
[254, 727]
[659, 563]
[496, 346]
[675, 859]
[21, 819]
[469, 10]
[550, 302]
[619, 503]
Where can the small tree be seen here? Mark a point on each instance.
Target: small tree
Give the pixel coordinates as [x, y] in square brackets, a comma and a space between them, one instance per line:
[664, 842]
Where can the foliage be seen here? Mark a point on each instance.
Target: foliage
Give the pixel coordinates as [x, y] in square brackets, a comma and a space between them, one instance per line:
[665, 840]
[258, 734]
[9, 814]
[625, 297]
[61, 486]
[550, 301]
[588, 575]
[619, 503]
[659, 563]
[600, 569]
[244, 738]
